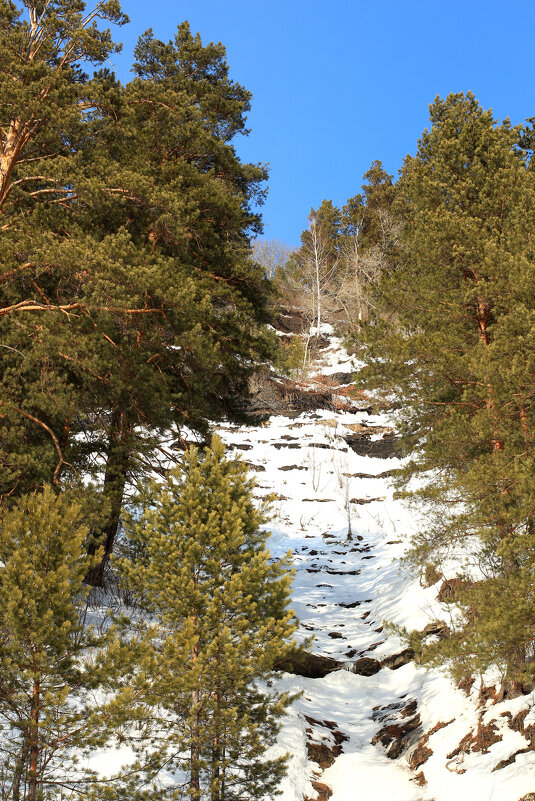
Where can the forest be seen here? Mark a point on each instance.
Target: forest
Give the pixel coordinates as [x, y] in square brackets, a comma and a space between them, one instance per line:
[141, 605]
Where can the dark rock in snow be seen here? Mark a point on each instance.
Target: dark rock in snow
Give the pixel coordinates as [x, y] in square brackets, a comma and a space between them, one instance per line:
[366, 666]
[437, 627]
[321, 754]
[509, 761]
[324, 792]
[362, 501]
[362, 443]
[396, 661]
[395, 736]
[311, 666]
[450, 589]
[271, 394]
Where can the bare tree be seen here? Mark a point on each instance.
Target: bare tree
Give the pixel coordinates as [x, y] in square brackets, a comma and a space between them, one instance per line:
[272, 255]
[363, 267]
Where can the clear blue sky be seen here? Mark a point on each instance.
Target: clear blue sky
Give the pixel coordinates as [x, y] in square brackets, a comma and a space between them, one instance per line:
[339, 83]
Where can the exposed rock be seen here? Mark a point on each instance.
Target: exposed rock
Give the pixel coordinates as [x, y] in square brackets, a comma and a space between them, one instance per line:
[420, 779]
[518, 724]
[270, 394]
[395, 736]
[509, 761]
[321, 754]
[362, 501]
[450, 589]
[385, 474]
[291, 321]
[528, 797]
[366, 666]
[311, 666]
[324, 792]
[438, 627]
[317, 500]
[257, 468]
[364, 445]
[342, 572]
[352, 605]
[396, 661]
[422, 752]
[420, 755]
[479, 741]
[336, 635]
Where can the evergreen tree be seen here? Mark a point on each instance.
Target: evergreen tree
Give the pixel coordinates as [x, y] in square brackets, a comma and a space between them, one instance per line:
[455, 309]
[203, 570]
[51, 662]
[128, 299]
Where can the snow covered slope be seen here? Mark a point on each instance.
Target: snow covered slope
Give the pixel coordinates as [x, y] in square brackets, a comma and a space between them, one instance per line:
[392, 731]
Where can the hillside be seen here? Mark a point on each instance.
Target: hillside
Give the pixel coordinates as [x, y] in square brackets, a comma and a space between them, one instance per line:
[376, 727]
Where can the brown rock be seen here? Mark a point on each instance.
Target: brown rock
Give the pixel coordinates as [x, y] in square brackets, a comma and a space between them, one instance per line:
[321, 754]
[509, 761]
[485, 737]
[396, 661]
[420, 755]
[450, 589]
[437, 627]
[394, 736]
[420, 779]
[323, 790]
[366, 666]
[311, 666]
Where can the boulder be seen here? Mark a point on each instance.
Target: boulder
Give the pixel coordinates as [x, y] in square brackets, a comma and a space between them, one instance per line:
[311, 666]
[451, 588]
[366, 666]
[396, 661]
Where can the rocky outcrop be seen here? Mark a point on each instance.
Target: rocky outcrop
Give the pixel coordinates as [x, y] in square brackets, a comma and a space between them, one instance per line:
[395, 661]
[311, 666]
[375, 441]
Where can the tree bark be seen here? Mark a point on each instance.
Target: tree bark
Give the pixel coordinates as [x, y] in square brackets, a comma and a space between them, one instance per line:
[117, 464]
[34, 740]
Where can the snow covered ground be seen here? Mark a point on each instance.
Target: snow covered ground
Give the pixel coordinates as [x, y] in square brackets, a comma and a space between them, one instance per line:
[446, 745]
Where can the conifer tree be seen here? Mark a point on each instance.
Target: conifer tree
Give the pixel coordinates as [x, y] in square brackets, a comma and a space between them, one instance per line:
[51, 662]
[454, 345]
[129, 304]
[203, 570]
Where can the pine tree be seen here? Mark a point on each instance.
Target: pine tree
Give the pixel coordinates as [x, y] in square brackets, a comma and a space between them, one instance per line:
[203, 570]
[455, 346]
[51, 662]
[129, 302]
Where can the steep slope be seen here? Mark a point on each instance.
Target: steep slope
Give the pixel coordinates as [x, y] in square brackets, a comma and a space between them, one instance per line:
[379, 727]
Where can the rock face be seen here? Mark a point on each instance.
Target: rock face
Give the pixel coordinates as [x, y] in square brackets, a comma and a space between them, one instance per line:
[450, 589]
[366, 666]
[272, 394]
[396, 661]
[382, 448]
[311, 666]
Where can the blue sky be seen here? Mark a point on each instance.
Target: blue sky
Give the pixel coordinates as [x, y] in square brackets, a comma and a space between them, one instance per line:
[339, 83]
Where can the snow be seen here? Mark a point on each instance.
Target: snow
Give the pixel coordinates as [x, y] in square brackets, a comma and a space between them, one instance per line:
[306, 462]
[348, 587]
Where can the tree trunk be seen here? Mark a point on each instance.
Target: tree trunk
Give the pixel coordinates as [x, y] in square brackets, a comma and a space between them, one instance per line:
[34, 740]
[118, 461]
